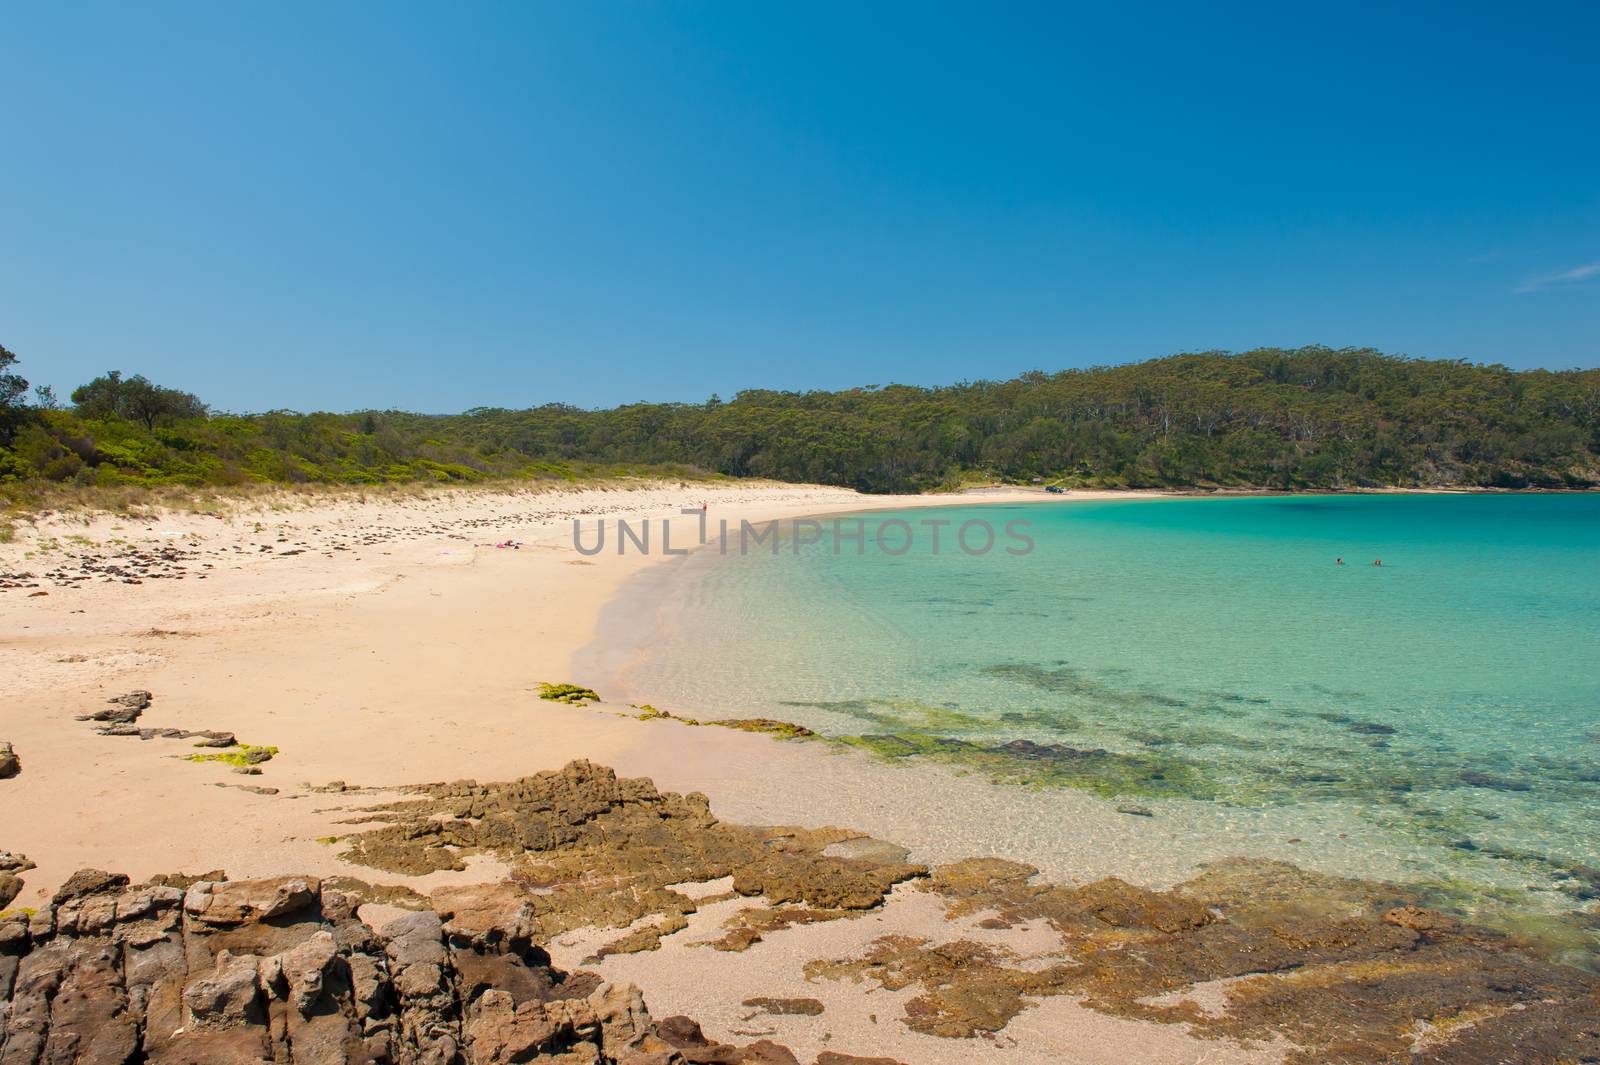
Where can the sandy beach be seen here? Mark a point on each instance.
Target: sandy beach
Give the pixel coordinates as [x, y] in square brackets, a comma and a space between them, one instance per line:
[376, 644]
[373, 643]
[389, 642]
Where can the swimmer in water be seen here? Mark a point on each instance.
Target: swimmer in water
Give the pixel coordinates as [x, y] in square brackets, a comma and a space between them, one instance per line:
[1338, 562]
[1377, 562]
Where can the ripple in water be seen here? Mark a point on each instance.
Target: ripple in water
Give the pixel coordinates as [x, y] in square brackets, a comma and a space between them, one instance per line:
[1444, 706]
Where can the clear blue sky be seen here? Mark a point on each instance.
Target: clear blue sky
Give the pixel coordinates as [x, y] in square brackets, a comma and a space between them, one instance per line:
[438, 205]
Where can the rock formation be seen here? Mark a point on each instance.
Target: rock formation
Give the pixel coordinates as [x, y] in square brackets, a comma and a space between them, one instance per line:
[284, 972]
[1346, 970]
[602, 851]
[10, 883]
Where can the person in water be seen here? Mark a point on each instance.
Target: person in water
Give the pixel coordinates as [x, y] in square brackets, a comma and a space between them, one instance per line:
[1377, 562]
[1338, 562]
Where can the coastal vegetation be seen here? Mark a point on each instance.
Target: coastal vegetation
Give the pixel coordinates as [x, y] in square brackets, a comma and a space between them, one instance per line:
[1312, 418]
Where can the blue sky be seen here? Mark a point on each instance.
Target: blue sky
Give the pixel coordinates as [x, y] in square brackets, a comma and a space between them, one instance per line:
[437, 206]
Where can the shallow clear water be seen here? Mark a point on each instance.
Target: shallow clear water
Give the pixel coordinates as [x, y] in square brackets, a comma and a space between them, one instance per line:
[1447, 703]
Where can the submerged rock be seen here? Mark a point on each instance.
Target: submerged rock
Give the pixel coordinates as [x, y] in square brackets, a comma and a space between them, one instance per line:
[867, 849]
[1024, 761]
[768, 725]
[785, 1007]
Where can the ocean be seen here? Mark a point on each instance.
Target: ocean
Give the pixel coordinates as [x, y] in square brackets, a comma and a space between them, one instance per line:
[1204, 655]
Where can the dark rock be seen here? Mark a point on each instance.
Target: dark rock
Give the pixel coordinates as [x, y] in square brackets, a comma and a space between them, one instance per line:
[14, 863]
[681, 1032]
[281, 971]
[1580, 881]
[10, 764]
[785, 1007]
[124, 709]
[766, 1052]
[87, 882]
[1476, 779]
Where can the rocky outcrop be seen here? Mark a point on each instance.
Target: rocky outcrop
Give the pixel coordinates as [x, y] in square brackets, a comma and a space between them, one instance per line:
[191, 970]
[1347, 971]
[120, 716]
[596, 850]
[11, 865]
[284, 971]
[1299, 957]
[122, 709]
[10, 764]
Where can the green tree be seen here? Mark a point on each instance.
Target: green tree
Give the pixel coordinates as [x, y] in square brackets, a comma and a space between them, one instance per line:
[12, 389]
[136, 399]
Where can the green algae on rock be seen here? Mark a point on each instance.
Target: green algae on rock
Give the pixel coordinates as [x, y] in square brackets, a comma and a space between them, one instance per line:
[1155, 770]
[574, 694]
[1025, 762]
[1017, 761]
[242, 755]
[787, 730]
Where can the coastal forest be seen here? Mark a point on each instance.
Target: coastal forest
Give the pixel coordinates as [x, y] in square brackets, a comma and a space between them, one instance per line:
[1305, 418]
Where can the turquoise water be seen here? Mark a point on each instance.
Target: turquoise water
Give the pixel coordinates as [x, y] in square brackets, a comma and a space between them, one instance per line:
[1208, 651]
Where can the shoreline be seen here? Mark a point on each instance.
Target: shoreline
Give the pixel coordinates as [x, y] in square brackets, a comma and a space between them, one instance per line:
[335, 632]
[329, 617]
[1154, 842]
[383, 646]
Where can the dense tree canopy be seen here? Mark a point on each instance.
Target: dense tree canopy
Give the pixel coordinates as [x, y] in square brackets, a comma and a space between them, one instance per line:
[1304, 418]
